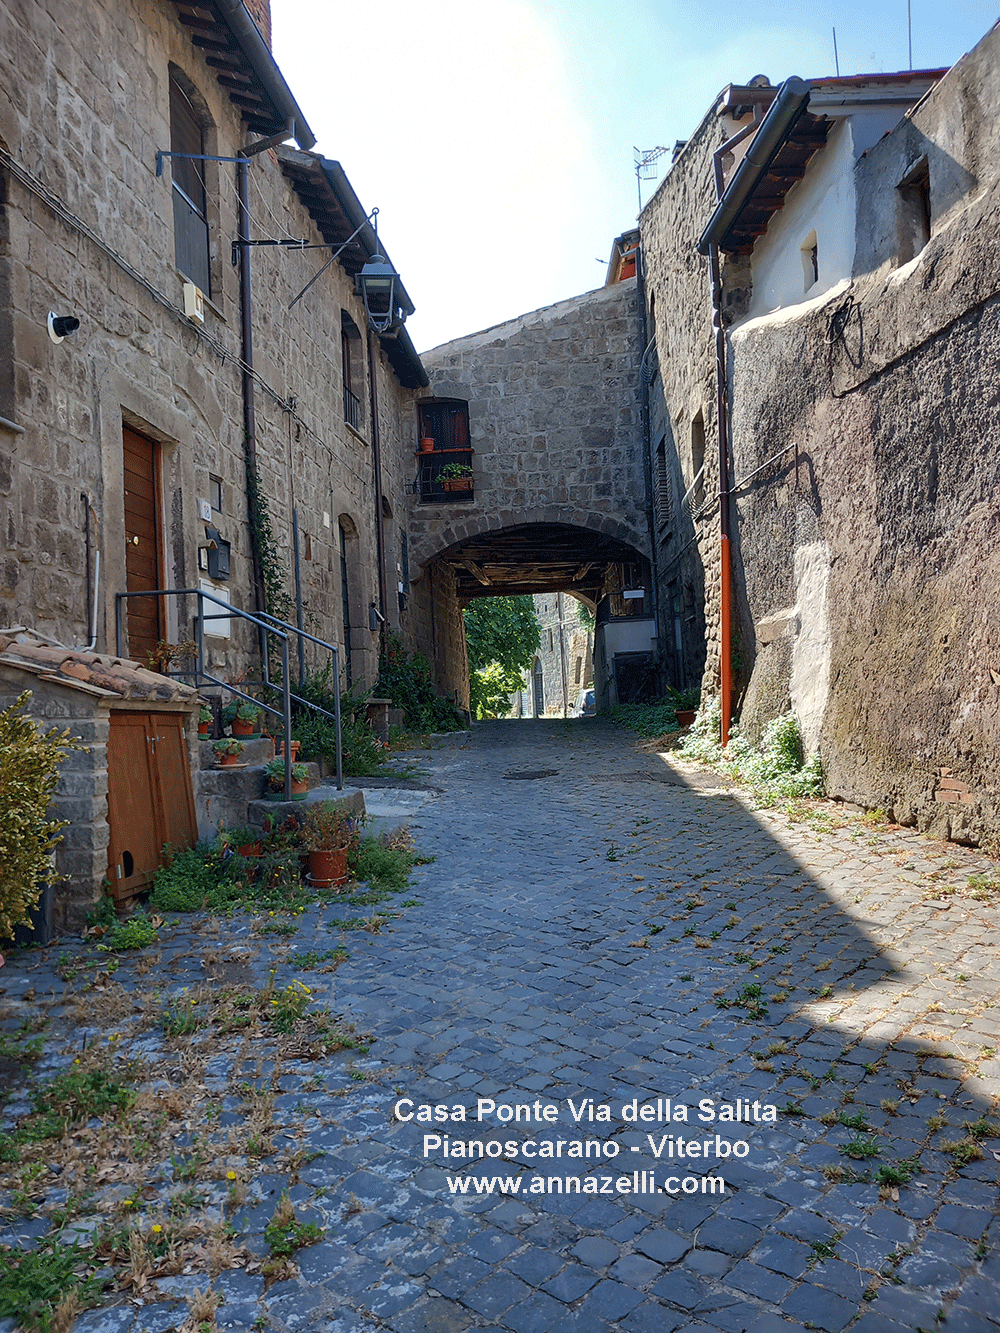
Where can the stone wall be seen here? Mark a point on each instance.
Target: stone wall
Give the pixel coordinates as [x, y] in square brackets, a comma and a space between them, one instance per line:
[554, 420]
[862, 566]
[680, 372]
[87, 109]
[565, 655]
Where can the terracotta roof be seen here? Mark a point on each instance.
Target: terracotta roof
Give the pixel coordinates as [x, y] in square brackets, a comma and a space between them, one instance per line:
[93, 673]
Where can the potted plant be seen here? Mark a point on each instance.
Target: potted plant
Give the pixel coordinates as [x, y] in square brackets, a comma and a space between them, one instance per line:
[275, 774]
[456, 477]
[244, 718]
[328, 834]
[686, 705]
[279, 748]
[244, 839]
[228, 751]
[427, 444]
[204, 719]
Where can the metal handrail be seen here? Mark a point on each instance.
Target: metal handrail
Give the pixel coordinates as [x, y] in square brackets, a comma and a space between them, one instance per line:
[334, 652]
[285, 713]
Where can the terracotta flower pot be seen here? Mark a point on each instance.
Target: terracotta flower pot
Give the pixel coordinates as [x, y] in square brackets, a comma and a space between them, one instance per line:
[457, 483]
[328, 868]
[279, 749]
[241, 728]
[427, 444]
[203, 728]
[684, 716]
[228, 760]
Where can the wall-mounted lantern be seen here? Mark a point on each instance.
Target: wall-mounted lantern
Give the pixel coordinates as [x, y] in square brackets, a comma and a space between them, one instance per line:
[377, 285]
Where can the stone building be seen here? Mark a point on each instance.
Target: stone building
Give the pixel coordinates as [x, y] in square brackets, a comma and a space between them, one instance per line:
[545, 414]
[206, 424]
[564, 662]
[855, 221]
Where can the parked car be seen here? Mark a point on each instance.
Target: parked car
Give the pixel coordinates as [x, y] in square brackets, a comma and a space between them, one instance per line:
[586, 704]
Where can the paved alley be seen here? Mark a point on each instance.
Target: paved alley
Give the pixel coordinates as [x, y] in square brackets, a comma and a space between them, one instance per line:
[686, 1066]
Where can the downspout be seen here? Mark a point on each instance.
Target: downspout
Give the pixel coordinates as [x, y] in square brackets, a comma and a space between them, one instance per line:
[647, 444]
[788, 107]
[725, 581]
[246, 350]
[377, 471]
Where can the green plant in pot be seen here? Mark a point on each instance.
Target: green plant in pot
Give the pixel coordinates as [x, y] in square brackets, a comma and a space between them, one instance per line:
[275, 774]
[328, 834]
[456, 477]
[204, 719]
[228, 751]
[242, 838]
[247, 719]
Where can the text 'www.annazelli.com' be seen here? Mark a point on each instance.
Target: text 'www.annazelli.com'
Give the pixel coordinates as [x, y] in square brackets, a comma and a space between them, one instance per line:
[639, 1182]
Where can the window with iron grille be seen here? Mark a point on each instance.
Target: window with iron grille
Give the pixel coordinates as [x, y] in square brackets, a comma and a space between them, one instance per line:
[352, 352]
[446, 422]
[191, 246]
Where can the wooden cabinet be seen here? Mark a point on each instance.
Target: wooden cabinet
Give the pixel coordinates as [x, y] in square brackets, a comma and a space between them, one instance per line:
[150, 797]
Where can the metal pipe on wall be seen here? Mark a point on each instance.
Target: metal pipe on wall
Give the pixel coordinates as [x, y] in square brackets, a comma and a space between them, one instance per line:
[722, 414]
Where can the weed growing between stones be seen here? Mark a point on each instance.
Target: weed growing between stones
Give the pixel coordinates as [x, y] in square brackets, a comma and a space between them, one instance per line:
[44, 1289]
[775, 769]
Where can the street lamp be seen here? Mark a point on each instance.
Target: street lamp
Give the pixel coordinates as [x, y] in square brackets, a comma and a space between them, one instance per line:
[376, 284]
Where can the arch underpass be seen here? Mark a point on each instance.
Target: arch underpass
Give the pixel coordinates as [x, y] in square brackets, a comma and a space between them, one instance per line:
[537, 557]
[532, 477]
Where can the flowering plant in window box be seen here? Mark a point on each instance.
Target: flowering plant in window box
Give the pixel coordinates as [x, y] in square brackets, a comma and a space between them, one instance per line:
[456, 477]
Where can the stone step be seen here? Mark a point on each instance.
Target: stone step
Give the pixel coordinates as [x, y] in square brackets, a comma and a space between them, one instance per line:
[351, 799]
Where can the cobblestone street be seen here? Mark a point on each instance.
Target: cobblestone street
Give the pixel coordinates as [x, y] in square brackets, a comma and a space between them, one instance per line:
[602, 925]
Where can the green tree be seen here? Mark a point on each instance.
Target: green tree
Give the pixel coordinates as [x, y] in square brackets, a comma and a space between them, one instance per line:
[502, 635]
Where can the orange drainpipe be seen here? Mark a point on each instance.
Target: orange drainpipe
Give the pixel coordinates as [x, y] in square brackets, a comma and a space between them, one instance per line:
[725, 637]
[725, 582]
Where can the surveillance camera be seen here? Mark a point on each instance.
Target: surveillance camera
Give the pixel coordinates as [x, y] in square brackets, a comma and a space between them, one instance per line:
[61, 326]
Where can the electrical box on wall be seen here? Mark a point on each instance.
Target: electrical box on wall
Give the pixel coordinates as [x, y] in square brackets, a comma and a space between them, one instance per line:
[194, 303]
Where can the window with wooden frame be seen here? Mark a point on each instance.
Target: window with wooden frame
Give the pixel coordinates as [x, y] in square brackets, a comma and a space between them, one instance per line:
[191, 240]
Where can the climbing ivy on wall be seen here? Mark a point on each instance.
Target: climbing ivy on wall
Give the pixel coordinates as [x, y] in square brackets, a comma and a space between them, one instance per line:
[269, 572]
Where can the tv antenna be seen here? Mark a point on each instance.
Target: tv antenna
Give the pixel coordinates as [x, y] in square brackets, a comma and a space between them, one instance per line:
[645, 167]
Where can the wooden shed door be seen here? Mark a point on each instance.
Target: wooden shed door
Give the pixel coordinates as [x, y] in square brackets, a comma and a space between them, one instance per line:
[142, 542]
[150, 798]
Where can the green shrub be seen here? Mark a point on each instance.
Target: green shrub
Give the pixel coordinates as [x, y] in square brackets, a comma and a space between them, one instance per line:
[360, 749]
[29, 762]
[776, 768]
[646, 719]
[385, 868]
[134, 932]
[405, 678]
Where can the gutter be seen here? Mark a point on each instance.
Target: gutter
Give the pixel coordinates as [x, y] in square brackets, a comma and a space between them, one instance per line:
[262, 62]
[782, 116]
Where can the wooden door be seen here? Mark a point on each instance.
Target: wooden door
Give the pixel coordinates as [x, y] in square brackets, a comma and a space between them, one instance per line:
[142, 542]
[180, 825]
[150, 798]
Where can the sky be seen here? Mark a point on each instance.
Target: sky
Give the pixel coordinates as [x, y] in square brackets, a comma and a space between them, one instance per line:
[496, 137]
